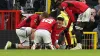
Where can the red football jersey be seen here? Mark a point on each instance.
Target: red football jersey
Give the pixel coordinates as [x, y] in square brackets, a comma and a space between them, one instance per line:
[24, 23]
[79, 7]
[33, 21]
[47, 24]
[55, 33]
[73, 7]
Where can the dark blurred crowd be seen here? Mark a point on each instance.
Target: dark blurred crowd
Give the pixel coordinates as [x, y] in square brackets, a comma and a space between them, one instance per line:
[26, 5]
[33, 5]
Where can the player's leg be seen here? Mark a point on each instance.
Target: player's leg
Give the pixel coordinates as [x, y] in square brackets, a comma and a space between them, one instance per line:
[24, 44]
[79, 40]
[32, 36]
[47, 39]
[79, 35]
[19, 33]
[9, 45]
[37, 39]
[25, 41]
[78, 30]
[68, 38]
[23, 35]
[81, 22]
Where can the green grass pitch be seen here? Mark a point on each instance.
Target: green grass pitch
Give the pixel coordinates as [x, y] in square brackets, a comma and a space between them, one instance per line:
[49, 52]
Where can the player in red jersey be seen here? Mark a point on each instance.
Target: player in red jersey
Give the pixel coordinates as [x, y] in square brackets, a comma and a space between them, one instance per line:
[25, 29]
[56, 32]
[43, 32]
[76, 7]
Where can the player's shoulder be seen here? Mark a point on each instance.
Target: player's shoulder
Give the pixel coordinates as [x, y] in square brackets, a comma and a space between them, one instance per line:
[34, 16]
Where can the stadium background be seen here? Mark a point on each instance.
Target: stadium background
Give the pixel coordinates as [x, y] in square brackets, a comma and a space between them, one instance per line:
[9, 33]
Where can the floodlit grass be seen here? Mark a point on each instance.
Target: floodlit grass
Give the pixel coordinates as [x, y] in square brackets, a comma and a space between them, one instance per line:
[16, 52]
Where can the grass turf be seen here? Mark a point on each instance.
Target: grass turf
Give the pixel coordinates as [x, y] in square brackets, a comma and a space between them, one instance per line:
[49, 52]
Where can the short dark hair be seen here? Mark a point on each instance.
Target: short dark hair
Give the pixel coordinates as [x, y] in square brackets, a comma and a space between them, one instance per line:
[60, 18]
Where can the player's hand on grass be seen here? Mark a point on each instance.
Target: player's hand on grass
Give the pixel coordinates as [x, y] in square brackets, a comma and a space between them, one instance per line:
[57, 46]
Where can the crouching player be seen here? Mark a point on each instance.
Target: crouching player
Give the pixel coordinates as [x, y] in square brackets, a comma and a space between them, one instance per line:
[24, 31]
[66, 23]
[58, 28]
[43, 32]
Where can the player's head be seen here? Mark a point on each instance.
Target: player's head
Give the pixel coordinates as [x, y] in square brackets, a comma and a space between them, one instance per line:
[60, 22]
[44, 15]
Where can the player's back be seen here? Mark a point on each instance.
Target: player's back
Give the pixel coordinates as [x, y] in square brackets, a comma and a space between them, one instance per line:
[34, 21]
[79, 7]
[46, 24]
[24, 23]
